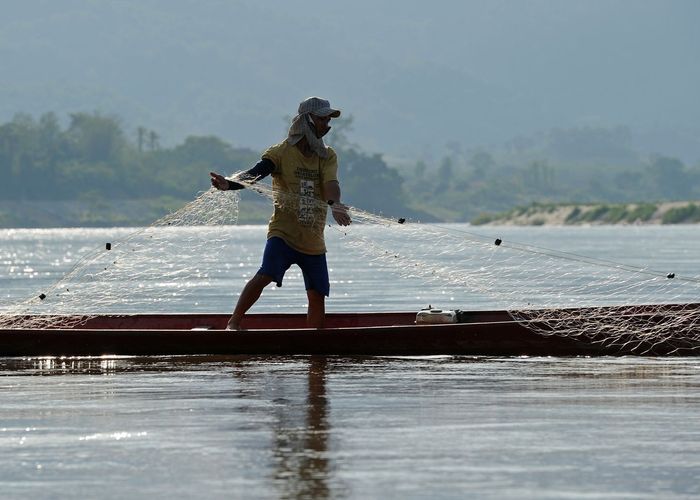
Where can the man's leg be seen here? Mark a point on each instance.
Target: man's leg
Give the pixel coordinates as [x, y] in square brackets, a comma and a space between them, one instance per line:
[249, 296]
[315, 271]
[316, 315]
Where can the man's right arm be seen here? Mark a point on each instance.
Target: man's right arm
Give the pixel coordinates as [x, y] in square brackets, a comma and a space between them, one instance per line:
[261, 170]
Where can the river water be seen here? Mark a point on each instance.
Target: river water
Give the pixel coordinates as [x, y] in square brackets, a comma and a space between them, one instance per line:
[337, 427]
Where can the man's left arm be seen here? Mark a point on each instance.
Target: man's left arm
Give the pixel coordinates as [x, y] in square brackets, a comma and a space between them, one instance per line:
[331, 193]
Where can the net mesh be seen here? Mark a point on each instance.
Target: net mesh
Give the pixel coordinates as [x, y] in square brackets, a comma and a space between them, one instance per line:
[137, 272]
[634, 309]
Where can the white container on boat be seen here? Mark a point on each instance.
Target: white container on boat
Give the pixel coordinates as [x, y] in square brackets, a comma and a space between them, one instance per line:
[435, 316]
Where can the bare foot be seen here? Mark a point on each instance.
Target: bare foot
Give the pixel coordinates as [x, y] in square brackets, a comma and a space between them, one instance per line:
[233, 327]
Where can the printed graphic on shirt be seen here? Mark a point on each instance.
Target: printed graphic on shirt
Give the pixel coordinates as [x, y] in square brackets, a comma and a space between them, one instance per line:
[307, 202]
[305, 173]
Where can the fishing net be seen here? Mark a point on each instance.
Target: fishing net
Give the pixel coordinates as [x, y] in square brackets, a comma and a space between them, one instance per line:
[627, 308]
[631, 308]
[148, 267]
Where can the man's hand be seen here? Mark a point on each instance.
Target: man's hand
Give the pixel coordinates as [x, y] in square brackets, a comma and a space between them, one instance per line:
[218, 181]
[340, 214]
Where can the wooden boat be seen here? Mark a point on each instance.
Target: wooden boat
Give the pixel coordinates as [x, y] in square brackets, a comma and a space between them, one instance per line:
[483, 333]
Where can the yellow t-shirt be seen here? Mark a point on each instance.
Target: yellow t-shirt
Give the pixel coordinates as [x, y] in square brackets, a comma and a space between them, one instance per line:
[299, 217]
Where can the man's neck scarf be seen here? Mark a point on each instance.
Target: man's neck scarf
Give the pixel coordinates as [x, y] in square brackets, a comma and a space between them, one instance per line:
[301, 127]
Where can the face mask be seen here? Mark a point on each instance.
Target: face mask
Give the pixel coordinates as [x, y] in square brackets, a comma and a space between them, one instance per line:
[315, 131]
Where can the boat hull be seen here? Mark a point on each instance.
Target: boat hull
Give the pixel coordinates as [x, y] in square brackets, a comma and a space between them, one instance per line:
[487, 333]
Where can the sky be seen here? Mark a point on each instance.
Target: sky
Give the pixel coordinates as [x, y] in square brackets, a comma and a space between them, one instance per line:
[414, 75]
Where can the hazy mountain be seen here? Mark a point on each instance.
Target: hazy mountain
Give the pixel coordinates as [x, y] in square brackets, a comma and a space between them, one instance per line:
[414, 74]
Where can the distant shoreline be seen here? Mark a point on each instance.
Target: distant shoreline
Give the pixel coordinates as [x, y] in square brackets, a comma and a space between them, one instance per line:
[138, 213]
[106, 212]
[570, 214]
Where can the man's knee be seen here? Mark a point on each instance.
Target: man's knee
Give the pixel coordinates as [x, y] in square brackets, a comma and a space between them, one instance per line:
[261, 280]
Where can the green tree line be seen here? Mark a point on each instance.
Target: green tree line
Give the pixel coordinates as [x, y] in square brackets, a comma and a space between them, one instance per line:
[92, 158]
[93, 155]
[463, 186]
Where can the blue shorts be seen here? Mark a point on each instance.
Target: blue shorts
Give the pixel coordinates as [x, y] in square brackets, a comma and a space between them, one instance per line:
[278, 257]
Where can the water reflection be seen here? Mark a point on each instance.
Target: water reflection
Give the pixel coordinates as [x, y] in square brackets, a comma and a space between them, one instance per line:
[317, 427]
[59, 365]
[286, 399]
[300, 427]
[301, 440]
